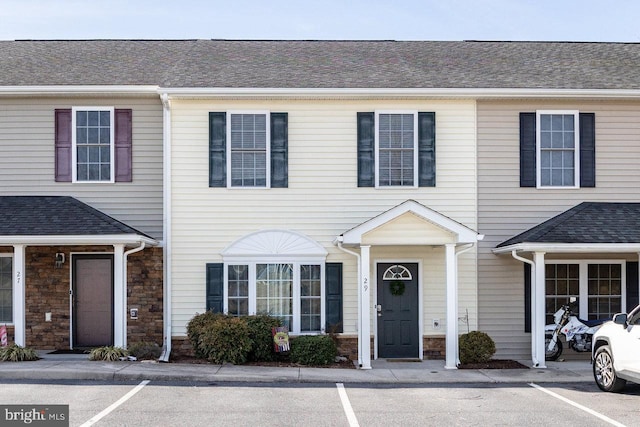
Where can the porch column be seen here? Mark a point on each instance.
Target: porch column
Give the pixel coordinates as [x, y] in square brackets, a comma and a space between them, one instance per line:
[19, 313]
[365, 309]
[119, 298]
[451, 359]
[538, 311]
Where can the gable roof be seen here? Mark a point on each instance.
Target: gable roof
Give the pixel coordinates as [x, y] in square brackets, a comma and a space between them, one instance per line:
[51, 217]
[586, 223]
[321, 64]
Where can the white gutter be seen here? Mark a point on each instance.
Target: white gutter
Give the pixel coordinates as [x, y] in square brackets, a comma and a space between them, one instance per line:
[77, 240]
[166, 225]
[569, 248]
[534, 328]
[79, 90]
[125, 282]
[338, 242]
[463, 93]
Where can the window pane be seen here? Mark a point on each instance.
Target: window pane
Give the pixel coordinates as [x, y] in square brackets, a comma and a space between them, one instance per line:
[105, 119]
[274, 292]
[6, 289]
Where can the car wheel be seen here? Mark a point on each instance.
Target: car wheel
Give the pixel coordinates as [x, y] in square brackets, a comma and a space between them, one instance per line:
[555, 352]
[604, 373]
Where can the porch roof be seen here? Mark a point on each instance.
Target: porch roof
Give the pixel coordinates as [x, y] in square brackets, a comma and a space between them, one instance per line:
[61, 220]
[459, 233]
[587, 227]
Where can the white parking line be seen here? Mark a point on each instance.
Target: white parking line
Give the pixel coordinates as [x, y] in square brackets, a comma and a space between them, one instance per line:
[346, 405]
[577, 405]
[119, 402]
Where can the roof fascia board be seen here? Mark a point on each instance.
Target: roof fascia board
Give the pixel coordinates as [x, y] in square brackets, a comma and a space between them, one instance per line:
[461, 93]
[78, 90]
[77, 240]
[569, 248]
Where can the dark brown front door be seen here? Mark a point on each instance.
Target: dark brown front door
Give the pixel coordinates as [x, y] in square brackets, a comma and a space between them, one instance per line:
[92, 300]
[398, 333]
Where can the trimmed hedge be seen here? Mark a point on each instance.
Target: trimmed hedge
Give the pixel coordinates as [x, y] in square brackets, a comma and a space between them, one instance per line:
[313, 350]
[476, 347]
[261, 337]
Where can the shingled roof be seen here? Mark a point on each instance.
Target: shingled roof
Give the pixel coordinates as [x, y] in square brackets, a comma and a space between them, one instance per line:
[588, 222]
[321, 64]
[57, 216]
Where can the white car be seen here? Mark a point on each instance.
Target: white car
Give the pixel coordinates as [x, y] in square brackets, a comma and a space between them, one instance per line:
[616, 352]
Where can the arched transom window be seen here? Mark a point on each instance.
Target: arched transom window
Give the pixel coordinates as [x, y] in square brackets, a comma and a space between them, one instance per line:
[397, 272]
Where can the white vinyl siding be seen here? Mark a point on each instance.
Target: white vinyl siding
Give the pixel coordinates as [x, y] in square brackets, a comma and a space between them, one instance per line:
[558, 149]
[322, 199]
[27, 166]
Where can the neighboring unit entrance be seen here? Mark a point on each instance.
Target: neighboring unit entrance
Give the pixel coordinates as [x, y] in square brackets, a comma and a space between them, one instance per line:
[398, 334]
[92, 300]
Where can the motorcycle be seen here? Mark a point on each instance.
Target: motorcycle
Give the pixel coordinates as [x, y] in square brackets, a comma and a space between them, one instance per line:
[578, 332]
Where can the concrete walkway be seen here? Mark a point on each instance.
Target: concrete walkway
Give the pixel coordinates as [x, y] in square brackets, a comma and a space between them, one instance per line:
[78, 367]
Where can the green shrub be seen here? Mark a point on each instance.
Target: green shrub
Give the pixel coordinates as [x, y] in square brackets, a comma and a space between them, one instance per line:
[226, 341]
[261, 337]
[16, 353]
[476, 347]
[313, 350]
[108, 353]
[196, 328]
[145, 350]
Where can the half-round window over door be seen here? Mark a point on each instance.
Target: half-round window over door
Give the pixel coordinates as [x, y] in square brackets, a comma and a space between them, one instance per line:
[397, 272]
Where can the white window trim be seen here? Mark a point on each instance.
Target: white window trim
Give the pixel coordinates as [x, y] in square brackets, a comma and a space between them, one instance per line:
[13, 287]
[74, 148]
[267, 148]
[576, 153]
[296, 263]
[415, 149]
[583, 277]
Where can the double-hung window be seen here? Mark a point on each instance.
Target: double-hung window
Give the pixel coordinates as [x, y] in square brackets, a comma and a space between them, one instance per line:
[396, 149]
[249, 148]
[6, 288]
[558, 155]
[290, 291]
[93, 144]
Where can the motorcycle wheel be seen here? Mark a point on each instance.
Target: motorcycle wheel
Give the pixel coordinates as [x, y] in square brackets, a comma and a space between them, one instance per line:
[604, 372]
[555, 352]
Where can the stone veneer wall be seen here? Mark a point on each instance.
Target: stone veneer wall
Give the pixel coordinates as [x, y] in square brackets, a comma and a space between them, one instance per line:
[47, 291]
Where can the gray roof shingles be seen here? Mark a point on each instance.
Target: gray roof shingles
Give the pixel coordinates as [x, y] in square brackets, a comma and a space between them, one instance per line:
[321, 64]
[588, 222]
[56, 216]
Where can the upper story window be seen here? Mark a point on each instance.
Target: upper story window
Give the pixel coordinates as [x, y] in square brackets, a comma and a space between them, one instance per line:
[248, 150]
[93, 144]
[396, 149]
[6, 288]
[559, 148]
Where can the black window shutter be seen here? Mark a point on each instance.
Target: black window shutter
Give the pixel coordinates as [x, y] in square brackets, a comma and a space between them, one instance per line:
[587, 150]
[218, 149]
[215, 286]
[123, 137]
[279, 150]
[527, 149]
[366, 150]
[527, 298]
[333, 296]
[632, 286]
[63, 145]
[426, 149]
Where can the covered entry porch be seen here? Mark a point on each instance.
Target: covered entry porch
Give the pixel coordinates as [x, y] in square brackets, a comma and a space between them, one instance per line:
[406, 256]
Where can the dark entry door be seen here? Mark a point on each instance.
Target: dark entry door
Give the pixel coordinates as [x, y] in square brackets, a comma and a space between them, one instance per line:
[398, 311]
[92, 300]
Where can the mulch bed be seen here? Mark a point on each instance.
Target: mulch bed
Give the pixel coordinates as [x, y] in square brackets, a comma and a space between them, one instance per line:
[348, 364]
[494, 364]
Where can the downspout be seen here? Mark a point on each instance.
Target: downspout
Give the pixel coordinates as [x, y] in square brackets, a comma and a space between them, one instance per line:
[357, 255]
[166, 225]
[534, 331]
[125, 282]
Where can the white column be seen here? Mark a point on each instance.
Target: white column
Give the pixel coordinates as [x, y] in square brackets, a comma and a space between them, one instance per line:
[19, 315]
[451, 359]
[538, 311]
[119, 298]
[365, 309]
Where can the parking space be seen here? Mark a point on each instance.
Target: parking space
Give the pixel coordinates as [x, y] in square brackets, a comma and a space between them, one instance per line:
[286, 404]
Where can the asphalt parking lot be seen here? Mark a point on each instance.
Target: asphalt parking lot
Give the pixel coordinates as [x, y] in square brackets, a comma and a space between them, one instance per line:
[151, 403]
